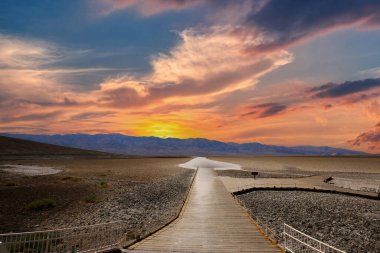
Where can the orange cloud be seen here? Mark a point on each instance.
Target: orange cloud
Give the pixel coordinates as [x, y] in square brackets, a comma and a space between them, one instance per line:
[196, 69]
[369, 139]
[200, 88]
[373, 109]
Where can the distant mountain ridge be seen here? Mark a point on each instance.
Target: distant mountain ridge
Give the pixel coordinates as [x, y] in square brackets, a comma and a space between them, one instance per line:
[154, 146]
[17, 147]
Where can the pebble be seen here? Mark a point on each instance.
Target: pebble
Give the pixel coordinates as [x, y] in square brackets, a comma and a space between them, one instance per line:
[342, 221]
[143, 206]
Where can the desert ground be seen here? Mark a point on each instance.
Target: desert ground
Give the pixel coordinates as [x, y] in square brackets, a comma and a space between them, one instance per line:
[347, 222]
[356, 173]
[146, 193]
[307, 164]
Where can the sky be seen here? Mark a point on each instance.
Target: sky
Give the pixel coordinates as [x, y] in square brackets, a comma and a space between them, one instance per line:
[285, 72]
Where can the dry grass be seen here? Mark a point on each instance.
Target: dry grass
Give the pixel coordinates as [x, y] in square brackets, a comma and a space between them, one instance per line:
[92, 198]
[41, 204]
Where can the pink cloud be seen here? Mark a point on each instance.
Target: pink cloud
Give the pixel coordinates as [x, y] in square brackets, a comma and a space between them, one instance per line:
[146, 7]
[210, 76]
[370, 139]
[195, 67]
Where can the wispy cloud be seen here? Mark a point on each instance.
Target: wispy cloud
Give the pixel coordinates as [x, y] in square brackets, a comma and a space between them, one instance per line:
[33, 116]
[145, 7]
[265, 110]
[213, 74]
[288, 21]
[27, 67]
[371, 139]
[196, 67]
[325, 97]
[91, 115]
[333, 90]
[20, 53]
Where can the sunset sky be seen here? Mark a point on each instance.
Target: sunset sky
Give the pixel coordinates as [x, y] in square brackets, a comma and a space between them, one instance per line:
[286, 72]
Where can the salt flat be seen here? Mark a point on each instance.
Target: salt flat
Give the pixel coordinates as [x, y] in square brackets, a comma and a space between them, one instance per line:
[30, 170]
[202, 162]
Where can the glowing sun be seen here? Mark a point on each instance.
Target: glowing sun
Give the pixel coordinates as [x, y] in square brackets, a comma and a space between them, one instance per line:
[165, 130]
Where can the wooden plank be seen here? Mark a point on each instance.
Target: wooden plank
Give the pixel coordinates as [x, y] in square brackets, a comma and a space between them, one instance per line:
[211, 221]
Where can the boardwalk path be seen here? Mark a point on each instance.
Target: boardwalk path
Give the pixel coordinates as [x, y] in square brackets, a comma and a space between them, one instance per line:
[211, 221]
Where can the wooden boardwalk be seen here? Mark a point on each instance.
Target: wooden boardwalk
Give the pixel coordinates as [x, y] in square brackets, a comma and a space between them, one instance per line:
[211, 221]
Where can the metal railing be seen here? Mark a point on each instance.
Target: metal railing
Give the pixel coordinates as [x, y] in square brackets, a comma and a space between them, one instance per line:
[292, 240]
[297, 242]
[93, 238]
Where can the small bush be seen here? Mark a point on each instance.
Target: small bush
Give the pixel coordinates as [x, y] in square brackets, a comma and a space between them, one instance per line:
[103, 184]
[41, 204]
[90, 198]
[73, 179]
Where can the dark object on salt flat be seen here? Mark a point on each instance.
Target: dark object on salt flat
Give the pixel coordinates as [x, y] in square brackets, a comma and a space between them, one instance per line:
[254, 174]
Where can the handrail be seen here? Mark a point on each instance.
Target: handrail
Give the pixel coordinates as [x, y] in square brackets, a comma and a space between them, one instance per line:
[292, 240]
[61, 229]
[297, 241]
[92, 238]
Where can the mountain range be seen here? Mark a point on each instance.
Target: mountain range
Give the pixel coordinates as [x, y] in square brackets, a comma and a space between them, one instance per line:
[17, 148]
[154, 146]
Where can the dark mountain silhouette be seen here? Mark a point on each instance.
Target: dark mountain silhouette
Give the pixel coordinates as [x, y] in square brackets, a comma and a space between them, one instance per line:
[16, 147]
[154, 146]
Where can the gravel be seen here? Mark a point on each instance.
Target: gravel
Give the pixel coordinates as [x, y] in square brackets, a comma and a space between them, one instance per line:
[143, 206]
[348, 223]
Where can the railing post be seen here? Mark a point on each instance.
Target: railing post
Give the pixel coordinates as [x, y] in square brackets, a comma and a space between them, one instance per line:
[285, 238]
[47, 243]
